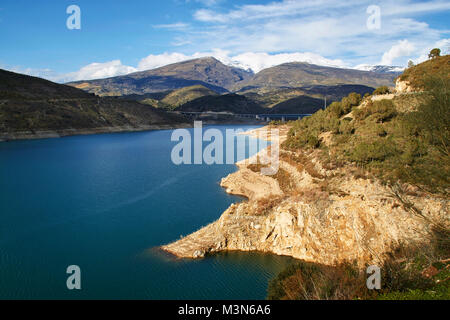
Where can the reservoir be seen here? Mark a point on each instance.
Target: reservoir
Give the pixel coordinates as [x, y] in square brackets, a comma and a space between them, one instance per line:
[105, 203]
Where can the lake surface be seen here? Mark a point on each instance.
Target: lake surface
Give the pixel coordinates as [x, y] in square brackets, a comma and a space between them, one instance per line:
[105, 203]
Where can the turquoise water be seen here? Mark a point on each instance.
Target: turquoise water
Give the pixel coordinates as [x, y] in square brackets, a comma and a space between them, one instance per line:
[104, 203]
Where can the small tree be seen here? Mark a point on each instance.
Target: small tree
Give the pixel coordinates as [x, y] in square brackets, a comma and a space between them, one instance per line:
[410, 64]
[381, 90]
[434, 53]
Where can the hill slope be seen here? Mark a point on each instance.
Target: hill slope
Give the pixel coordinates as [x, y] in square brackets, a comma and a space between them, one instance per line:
[207, 72]
[225, 103]
[29, 104]
[418, 75]
[270, 97]
[184, 95]
[298, 105]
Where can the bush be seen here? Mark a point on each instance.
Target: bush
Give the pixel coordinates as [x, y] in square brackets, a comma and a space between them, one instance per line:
[403, 277]
[377, 150]
[383, 110]
[336, 109]
[381, 90]
[309, 281]
[346, 127]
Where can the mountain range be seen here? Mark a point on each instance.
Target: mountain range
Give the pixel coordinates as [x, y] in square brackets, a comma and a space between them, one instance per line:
[205, 84]
[214, 75]
[300, 74]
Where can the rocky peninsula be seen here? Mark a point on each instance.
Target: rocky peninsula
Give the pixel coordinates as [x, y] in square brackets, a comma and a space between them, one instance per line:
[316, 212]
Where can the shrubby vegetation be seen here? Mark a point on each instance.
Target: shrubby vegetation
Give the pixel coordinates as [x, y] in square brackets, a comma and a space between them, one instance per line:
[381, 90]
[402, 279]
[408, 146]
[417, 75]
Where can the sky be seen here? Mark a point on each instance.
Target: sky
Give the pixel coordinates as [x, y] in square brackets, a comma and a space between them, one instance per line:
[117, 37]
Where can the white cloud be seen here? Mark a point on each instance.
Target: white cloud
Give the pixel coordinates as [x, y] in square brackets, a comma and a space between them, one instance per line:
[99, 71]
[325, 27]
[155, 61]
[401, 49]
[443, 44]
[261, 60]
[172, 26]
[40, 73]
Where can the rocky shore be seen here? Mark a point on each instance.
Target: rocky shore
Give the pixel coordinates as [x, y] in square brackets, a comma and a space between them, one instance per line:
[315, 214]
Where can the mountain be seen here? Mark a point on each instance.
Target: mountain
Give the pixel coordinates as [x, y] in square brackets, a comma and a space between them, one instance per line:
[381, 69]
[300, 74]
[208, 72]
[30, 104]
[225, 103]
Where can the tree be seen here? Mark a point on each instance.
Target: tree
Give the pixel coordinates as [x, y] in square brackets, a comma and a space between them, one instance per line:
[434, 53]
[410, 64]
[381, 90]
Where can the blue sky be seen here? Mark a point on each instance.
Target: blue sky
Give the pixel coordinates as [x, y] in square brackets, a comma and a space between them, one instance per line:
[118, 37]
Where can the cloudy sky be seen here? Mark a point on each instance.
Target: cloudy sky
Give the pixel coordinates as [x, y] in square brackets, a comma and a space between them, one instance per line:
[118, 37]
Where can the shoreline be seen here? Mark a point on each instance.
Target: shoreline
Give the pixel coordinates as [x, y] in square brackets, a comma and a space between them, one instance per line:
[54, 134]
[206, 241]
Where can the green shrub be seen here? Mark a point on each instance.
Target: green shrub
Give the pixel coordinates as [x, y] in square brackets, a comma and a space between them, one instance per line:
[381, 90]
[377, 150]
[346, 127]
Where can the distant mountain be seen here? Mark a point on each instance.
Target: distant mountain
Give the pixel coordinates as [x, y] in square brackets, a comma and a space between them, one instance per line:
[32, 104]
[300, 74]
[225, 103]
[381, 69]
[208, 72]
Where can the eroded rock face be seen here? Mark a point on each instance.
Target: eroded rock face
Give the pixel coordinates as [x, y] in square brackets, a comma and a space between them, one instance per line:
[251, 185]
[403, 86]
[358, 220]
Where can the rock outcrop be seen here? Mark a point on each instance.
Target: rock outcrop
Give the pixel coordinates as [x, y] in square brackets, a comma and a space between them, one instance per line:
[327, 216]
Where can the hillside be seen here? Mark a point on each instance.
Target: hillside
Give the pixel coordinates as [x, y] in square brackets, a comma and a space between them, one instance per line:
[29, 104]
[225, 103]
[298, 105]
[417, 75]
[207, 72]
[269, 97]
[184, 95]
[299, 74]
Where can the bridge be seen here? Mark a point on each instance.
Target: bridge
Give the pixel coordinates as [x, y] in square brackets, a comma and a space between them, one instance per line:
[261, 117]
